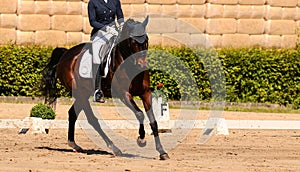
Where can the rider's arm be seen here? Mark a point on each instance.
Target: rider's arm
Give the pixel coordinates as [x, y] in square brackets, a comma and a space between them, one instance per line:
[119, 13]
[92, 16]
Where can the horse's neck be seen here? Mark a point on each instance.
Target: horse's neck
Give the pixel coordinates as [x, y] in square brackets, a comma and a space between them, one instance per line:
[117, 59]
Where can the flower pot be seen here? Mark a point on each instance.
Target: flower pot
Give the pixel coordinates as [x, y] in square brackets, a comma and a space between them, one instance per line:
[161, 113]
[156, 107]
[36, 125]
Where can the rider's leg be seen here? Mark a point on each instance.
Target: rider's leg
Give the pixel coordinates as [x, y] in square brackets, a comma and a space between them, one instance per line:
[98, 94]
[96, 45]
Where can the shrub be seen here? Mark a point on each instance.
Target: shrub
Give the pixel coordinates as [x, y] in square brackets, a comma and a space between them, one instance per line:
[296, 103]
[42, 111]
[262, 75]
[256, 75]
[20, 68]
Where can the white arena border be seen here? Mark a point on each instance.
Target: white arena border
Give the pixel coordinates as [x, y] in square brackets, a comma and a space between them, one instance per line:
[198, 124]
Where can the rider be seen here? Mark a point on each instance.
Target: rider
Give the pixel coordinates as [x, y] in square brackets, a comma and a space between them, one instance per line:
[102, 14]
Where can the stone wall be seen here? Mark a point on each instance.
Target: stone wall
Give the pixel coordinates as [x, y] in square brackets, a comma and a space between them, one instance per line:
[220, 23]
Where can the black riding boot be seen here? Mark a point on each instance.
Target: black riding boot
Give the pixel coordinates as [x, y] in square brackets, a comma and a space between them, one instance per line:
[98, 94]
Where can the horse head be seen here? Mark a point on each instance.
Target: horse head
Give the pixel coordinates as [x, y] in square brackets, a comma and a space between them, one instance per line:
[136, 40]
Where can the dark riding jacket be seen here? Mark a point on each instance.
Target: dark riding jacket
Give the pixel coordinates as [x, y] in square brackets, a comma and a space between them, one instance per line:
[102, 14]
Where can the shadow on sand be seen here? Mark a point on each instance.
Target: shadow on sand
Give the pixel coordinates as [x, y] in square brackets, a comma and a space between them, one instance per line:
[88, 152]
[94, 152]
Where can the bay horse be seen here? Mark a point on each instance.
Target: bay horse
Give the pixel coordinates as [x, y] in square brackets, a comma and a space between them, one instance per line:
[64, 65]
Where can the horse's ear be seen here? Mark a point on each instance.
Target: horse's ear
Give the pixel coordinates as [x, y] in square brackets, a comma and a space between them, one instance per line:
[145, 22]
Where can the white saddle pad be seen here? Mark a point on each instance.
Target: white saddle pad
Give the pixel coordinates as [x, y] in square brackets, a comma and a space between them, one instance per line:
[85, 66]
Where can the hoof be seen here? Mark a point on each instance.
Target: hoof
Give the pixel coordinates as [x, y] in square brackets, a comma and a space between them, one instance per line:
[116, 151]
[75, 147]
[141, 142]
[164, 156]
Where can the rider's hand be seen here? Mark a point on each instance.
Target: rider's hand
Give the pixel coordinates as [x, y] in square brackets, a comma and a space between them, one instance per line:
[111, 30]
[121, 26]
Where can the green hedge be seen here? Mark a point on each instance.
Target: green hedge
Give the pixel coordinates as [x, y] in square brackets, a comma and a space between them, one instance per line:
[20, 69]
[254, 75]
[262, 75]
[251, 75]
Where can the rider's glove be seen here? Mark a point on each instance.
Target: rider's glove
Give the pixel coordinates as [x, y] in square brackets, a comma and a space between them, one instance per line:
[111, 30]
[121, 26]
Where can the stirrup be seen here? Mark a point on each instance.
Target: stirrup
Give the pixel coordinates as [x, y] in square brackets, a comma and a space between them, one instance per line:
[98, 96]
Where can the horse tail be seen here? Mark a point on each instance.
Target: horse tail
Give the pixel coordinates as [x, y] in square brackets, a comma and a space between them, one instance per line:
[49, 78]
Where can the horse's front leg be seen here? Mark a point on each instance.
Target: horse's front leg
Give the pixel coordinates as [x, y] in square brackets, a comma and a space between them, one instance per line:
[127, 99]
[147, 101]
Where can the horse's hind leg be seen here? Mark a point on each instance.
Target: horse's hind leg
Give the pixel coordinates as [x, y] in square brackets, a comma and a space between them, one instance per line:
[93, 121]
[71, 130]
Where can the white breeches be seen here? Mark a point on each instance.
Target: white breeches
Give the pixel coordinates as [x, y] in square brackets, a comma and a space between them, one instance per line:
[98, 40]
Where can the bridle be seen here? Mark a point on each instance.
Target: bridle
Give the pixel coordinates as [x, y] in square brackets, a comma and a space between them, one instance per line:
[126, 52]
